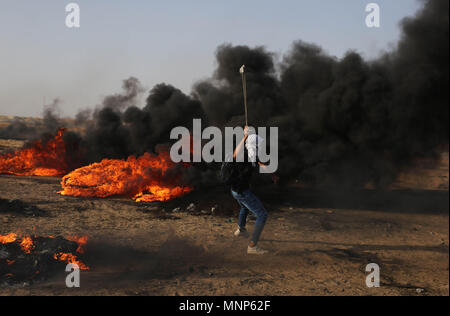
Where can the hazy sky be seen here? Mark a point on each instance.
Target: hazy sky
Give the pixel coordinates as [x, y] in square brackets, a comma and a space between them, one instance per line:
[170, 41]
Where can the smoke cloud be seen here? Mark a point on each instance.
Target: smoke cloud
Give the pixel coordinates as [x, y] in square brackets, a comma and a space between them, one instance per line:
[26, 129]
[346, 122]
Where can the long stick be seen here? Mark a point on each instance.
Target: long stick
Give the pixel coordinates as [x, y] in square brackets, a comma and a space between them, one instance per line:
[244, 87]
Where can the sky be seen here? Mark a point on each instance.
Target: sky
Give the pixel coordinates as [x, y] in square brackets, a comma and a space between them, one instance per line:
[171, 41]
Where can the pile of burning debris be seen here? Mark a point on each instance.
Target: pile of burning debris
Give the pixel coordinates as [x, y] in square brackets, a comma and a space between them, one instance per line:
[148, 178]
[49, 157]
[25, 260]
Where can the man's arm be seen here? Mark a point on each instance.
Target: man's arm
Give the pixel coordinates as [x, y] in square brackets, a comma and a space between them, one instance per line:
[240, 147]
[275, 178]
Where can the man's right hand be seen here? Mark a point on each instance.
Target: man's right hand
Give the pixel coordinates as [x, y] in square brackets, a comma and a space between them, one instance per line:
[246, 131]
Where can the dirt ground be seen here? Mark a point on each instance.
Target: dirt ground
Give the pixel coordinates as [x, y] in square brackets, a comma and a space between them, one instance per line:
[319, 242]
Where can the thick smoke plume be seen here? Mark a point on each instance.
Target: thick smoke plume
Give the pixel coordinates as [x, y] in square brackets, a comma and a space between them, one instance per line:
[346, 122]
[119, 128]
[342, 121]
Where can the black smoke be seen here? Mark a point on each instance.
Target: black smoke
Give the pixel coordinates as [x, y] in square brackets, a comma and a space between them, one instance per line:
[52, 117]
[119, 128]
[346, 122]
[27, 129]
[18, 129]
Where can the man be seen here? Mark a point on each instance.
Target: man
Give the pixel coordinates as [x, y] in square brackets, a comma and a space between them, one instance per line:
[240, 189]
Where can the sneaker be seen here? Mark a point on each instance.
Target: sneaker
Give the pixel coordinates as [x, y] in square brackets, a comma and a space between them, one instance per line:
[241, 233]
[256, 251]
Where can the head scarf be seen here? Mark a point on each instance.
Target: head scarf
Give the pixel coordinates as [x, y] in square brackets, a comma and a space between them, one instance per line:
[252, 143]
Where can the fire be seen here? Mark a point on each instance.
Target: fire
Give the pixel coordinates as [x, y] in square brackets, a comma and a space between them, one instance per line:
[158, 193]
[81, 241]
[70, 258]
[46, 159]
[26, 243]
[148, 178]
[27, 246]
[7, 239]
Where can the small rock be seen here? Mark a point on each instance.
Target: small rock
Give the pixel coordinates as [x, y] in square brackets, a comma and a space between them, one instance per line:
[4, 254]
[420, 291]
[176, 210]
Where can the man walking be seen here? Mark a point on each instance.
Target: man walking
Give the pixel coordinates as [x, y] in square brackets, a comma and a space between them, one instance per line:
[240, 189]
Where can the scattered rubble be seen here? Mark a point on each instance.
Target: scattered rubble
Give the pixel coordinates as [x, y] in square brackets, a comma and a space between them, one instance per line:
[176, 210]
[26, 260]
[191, 208]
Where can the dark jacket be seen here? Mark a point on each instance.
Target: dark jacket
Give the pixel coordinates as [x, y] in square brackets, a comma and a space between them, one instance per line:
[241, 177]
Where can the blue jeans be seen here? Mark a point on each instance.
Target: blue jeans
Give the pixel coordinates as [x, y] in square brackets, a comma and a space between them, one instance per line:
[250, 202]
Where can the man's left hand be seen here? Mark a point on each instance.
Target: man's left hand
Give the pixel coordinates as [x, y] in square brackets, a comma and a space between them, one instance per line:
[275, 179]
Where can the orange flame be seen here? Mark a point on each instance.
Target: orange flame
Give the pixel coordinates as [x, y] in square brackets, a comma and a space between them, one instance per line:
[27, 244]
[70, 258]
[81, 241]
[144, 179]
[46, 159]
[7, 239]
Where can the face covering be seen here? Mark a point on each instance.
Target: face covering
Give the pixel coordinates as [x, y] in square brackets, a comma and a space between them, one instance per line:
[252, 143]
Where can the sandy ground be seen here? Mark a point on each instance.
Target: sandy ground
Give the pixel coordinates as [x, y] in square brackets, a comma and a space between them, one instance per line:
[320, 242]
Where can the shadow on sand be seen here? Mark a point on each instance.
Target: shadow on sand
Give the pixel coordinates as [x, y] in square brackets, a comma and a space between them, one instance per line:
[397, 201]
